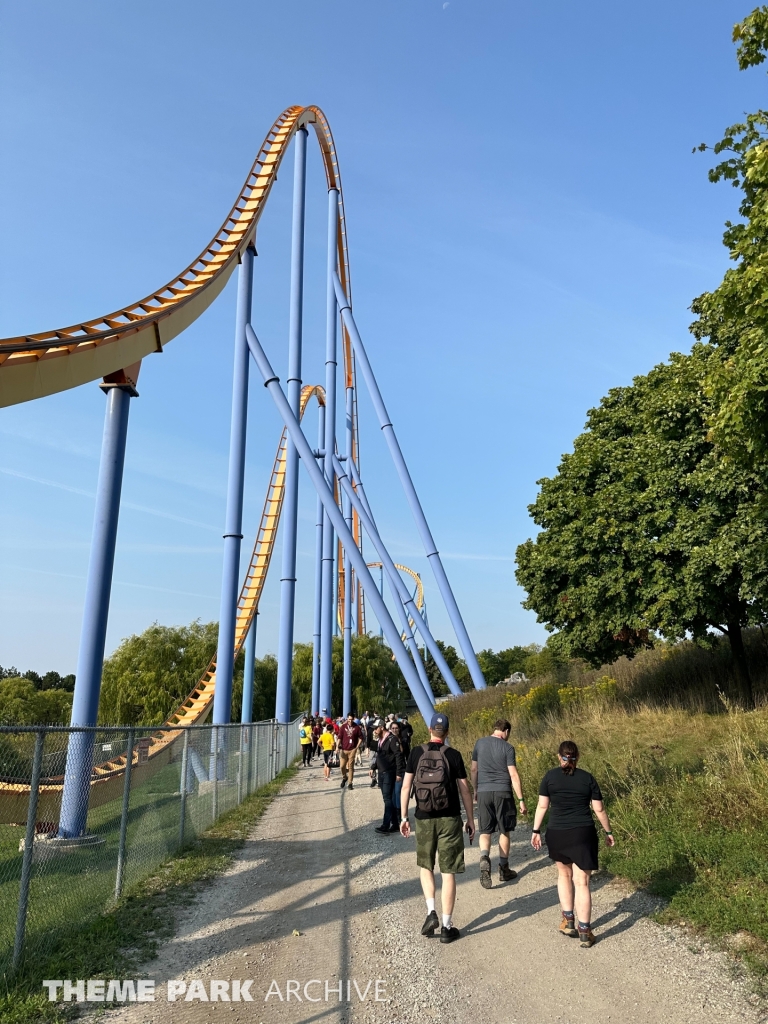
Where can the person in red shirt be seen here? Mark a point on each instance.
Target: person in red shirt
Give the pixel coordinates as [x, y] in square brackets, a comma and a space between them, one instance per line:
[350, 738]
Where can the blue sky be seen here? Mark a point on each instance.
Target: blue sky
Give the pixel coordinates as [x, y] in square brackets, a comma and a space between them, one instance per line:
[527, 227]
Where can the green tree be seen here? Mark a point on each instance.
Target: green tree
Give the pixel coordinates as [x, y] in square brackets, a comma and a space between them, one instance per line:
[648, 528]
[456, 664]
[734, 317]
[21, 703]
[498, 665]
[150, 674]
[377, 682]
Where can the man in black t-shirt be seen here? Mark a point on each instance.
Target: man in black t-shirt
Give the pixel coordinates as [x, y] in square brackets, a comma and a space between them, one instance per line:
[441, 787]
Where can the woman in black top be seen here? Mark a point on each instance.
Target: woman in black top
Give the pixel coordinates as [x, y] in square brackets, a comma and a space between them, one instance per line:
[567, 792]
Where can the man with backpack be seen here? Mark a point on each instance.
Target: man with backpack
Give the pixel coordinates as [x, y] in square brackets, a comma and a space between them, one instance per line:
[439, 778]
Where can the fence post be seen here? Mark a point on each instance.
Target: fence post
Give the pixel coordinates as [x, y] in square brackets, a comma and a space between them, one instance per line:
[29, 843]
[183, 786]
[240, 768]
[252, 758]
[124, 816]
[215, 807]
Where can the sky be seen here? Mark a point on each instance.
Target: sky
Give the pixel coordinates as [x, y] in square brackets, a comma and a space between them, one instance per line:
[527, 228]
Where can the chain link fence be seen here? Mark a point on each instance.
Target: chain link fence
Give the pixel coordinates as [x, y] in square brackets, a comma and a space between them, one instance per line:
[149, 794]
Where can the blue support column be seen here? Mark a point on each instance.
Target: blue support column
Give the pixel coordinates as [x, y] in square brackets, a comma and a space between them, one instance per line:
[346, 701]
[290, 514]
[246, 714]
[233, 529]
[361, 360]
[318, 617]
[360, 500]
[85, 703]
[272, 383]
[329, 541]
[381, 591]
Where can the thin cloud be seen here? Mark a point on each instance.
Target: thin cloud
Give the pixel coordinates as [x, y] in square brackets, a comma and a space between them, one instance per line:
[116, 583]
[123, 504]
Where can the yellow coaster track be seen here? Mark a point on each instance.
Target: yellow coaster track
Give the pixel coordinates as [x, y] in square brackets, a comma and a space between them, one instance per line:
[36, 365]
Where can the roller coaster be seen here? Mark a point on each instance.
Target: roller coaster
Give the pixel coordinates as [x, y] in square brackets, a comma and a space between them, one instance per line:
[110, 349]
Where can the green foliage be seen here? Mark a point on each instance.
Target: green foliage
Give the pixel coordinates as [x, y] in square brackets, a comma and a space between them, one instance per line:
[734, 317]
[457, 666]
[22, 704]
[647, 528]
[150, 674]
[377, 682]
[498, 665]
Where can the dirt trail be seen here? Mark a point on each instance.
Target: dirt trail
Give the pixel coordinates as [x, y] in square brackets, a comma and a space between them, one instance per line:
[315, 865]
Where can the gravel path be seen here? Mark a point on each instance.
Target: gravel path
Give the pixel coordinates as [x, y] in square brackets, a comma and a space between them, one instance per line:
[314, 865]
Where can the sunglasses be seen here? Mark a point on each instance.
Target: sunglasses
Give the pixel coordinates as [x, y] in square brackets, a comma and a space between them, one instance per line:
[567, 757]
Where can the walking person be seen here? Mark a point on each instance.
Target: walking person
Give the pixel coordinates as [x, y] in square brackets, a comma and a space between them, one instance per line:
[390, 766]
[494, 777]
[394, 728]
[372, 744]
[305, 741]
[317, 729]
[441, 787]
[350, 738]
[567, 793]
[327, 743]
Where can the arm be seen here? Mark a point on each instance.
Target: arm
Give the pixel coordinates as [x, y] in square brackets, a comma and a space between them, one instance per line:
[541, 810]
[399, 759]
[466, 799]
[473, 773]
[517, 786]
[405, 796]
[602, 817]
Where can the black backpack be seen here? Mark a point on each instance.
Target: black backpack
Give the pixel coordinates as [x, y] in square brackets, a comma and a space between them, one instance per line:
[431, 782]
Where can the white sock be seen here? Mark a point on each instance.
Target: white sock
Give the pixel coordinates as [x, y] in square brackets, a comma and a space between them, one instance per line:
[446, 920]
[430, 906]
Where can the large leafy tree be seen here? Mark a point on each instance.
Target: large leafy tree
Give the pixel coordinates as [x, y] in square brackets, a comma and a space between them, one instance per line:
[22, 703]
[377, 682]
[647, 528]
[734, 317]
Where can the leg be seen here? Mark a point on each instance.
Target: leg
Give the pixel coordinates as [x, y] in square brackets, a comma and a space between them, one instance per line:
[583, 895]
[485, 844]
[427, 883]
[351, 766]
[503, 845]
[565, 886]
[396, 794]
[448, 894]
[387, 784]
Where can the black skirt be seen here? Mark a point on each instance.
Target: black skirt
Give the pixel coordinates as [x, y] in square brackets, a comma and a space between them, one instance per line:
[573, 846]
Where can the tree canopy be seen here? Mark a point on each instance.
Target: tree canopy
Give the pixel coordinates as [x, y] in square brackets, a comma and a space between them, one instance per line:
[648, 528]
[22, 703]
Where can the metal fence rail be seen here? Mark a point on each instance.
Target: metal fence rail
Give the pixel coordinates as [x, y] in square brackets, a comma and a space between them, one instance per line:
[137, 816]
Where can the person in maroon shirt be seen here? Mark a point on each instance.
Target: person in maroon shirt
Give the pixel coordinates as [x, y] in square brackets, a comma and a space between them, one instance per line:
[350, 738]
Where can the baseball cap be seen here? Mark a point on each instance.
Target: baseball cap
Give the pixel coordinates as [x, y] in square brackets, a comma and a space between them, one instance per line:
[439, 722]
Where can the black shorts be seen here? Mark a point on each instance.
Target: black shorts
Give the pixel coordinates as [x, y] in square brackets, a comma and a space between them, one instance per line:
[573, 846]
[327, 755]
[495, 812]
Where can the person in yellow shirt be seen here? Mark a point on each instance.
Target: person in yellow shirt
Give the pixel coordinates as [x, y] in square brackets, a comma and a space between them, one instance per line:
[305, 739]
[327, 744]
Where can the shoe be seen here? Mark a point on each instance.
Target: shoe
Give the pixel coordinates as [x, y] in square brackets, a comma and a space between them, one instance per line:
[587, 938]
[566, 928]
[449, 934]
[431, 924]
[485, 873]
[506, 874]
[374, 783]
[351, 786]
[343, 784]
[382, 831]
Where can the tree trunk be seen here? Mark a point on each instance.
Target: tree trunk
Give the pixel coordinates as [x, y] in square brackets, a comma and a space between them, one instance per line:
[741, 669]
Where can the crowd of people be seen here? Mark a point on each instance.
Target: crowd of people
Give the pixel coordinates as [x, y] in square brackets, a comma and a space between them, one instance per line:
[434, 774]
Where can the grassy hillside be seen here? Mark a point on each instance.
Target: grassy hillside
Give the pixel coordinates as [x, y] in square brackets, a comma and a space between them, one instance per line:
[684, 773]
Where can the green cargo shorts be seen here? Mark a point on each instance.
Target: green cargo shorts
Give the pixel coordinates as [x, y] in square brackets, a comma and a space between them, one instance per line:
[444, 837]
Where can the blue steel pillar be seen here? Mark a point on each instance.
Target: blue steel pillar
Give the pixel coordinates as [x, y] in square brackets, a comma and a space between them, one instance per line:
[246, 713]
[272, 383]
[329, 597]
[381, 591]
[85, 703]
[233, 527]
[318, 618]
[291, 500]
[361, 358]
[346, 700]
